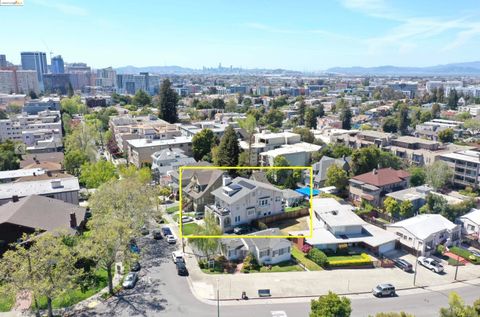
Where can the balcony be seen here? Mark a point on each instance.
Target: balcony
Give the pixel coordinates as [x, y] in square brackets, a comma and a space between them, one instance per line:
[221, 211]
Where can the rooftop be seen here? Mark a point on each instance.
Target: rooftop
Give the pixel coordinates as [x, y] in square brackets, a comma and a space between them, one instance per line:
[473, 215]
[422, 226]
[38, 187]
[21, 173]
[143, 143]
[335, 214]
[382, 177]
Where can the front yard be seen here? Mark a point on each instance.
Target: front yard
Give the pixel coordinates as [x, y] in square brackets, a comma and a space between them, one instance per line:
[287, 266]
[172, 209]
[190, 229]
[302, 258]
[6, 303]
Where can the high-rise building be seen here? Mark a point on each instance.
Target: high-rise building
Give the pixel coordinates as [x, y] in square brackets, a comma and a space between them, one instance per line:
[80, 75]
[3, 61]
[18, 81]
[36, 61]
[106, 77]
[56, 83]
[8, 84]
[57, 65]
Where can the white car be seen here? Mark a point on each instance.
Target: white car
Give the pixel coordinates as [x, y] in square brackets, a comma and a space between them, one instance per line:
[187, 219]
[430, 264]
[177, 256]
[171, 239]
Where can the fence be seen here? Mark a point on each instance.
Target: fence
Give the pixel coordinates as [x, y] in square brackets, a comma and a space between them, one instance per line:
[283, 216]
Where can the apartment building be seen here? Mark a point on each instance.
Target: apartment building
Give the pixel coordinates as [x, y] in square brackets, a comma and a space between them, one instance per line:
[430, 129]
[466, 167]
[42, 132]
[18, 81]
[126, 128]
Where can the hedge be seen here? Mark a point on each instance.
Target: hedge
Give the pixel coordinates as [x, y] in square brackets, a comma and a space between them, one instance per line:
[467, 255]
[318, 257]
[364, 260]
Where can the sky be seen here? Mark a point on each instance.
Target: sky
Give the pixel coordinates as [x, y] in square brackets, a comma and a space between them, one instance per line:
[298, 35]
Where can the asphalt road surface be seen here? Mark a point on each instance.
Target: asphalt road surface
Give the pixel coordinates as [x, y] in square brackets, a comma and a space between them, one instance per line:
[161, 292]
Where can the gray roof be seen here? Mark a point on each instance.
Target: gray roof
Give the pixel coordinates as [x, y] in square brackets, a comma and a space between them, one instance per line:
[412, 193]
[241, 187]
[43, 213]
[290, 193]
[320, 168]
[39, 187]
[265, 243]
[206, 177]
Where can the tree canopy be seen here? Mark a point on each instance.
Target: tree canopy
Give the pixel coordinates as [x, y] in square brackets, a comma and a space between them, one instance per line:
[167, 104]
[330, 305]
[202, 144]
[228, 149]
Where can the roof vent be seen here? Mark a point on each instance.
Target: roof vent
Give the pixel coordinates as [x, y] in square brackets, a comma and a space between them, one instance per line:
[334, 212]
[374, 171]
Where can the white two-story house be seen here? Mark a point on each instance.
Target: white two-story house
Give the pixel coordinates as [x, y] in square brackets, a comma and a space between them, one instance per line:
[241, 200]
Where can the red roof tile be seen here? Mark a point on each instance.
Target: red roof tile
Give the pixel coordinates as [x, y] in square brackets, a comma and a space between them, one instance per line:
[383, 176]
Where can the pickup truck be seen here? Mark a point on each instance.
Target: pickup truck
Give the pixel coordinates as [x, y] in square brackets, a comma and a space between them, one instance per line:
[430, 264]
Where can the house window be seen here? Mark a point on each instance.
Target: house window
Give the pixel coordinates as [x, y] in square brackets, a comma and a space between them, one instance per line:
[470, 228]
[237, 218]
[264, 253]
[263, 201]
[250, 211]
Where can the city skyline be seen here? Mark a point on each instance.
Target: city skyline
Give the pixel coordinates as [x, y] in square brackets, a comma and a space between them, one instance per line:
[253, 35]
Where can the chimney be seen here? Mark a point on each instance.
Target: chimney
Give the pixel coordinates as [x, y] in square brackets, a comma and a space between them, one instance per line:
[374, 171]
[15, 198]
[73, 220]
[226, 180]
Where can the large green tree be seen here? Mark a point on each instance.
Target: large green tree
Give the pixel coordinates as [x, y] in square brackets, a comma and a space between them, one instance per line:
[167, 104]
[311, 118]
[305, 134]
[9, 158]
[95, 174]
[346, 117]
[438, 174]
[403, 120]
[390, 125]
[337, 176]
[417, 176]
[330, 305]
[452, 101]
[202, 144]
[366, 159]
[249, 125]
[228, 149]
[457, 307]
[446, 135]
[141, 99]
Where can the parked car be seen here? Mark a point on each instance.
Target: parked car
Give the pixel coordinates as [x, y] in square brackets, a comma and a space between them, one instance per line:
[166, 231]
[475, 253]
[383, 290]
[177, 256]
[242, 229]
[199, 215]
[171, 239]
[135, 267]
[402, 264]
[187, 219]
[431, 264]
[181, 268]
[130, 280]
[157, 234]
[144, 231]
[134, 247]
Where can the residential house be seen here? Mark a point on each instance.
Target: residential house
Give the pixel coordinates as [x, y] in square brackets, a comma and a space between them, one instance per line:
[267, 251]
[320, 169]
[423, 233]
[167, 160]
[416, 195]
[336, 224]
[240, 201]
[38, 213]
[292, 198]
[298, 154]
[197, 193]
[430, 129]
[374, 185]
[49, 161]
[471, 224]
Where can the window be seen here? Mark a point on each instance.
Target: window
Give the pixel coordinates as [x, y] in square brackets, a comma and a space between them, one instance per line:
[237, 218]
[264, 253]
[250, 211]
[263, 201]
[278, 198]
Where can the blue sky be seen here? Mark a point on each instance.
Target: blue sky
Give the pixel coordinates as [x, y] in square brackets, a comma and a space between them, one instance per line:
[300, 35]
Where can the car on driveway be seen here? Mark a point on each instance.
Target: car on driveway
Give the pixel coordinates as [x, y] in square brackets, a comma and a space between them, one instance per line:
[181, 268]
[144, 231]
[431, 264]
[199, 215]
[177, 256]
[402, 264]
[187, 219]
[171, 239]
[383, 290]
[130, 280]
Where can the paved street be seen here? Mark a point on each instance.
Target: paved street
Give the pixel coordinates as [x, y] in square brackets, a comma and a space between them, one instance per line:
[161, 292]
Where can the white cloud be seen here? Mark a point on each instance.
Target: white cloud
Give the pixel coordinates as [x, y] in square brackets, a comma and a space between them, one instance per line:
[62, 7]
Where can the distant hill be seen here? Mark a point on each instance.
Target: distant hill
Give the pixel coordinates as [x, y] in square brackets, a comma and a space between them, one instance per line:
[468, 68]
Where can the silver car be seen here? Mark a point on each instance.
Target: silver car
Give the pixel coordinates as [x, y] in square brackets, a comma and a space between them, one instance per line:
[383, 290]
[130, 280]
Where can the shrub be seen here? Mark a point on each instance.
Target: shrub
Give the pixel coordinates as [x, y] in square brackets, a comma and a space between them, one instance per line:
[318, 257]
[440, 248]
[250, 263]
[262, 226]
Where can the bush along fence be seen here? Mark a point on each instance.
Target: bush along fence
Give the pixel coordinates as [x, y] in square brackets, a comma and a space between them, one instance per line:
[336, 262]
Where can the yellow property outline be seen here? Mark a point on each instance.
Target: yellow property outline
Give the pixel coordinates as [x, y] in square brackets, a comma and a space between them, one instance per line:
[182, 168]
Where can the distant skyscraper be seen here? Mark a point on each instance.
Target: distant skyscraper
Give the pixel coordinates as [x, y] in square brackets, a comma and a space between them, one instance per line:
[3, 61]
[57, 65]
[35, 61]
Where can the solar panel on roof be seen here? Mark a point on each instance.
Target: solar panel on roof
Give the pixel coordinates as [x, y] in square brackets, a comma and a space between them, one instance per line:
[235, 186]
[247, 185]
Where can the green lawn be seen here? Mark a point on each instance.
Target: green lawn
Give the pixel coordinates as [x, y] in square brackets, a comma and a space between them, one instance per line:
[290, 209]
[190, 228]
[6, 303]
[309, 264]
[172, 209]
[467, 255]
[287, 266]
[344, 258]
[72, 297]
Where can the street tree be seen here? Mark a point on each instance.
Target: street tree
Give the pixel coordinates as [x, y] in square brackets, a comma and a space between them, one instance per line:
[391, 207]
[167, 104]
[202, 143]
[210, 228]
[73, 161]
[93, 175]
[457, 307]
[417, 176]
[390, 125]
[218, 103]
[346, 117]
[403, 120]
[330, 305]
[311, 118]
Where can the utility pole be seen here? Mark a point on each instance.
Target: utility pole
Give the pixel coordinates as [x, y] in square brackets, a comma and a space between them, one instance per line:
[415, 273]
[456, 267]
[218, 300]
